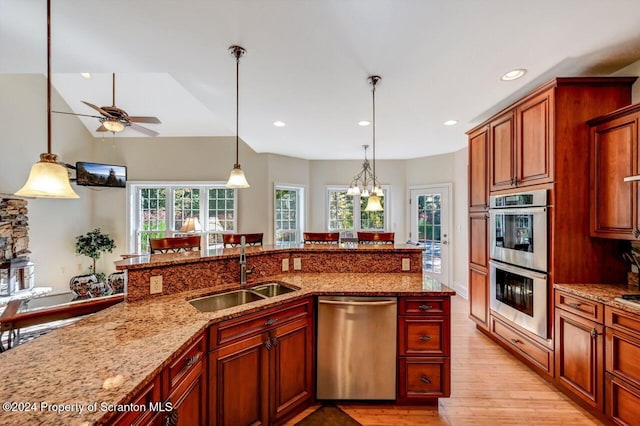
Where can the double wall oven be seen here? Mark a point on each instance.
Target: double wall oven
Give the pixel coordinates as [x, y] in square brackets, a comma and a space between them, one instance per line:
[518, 266]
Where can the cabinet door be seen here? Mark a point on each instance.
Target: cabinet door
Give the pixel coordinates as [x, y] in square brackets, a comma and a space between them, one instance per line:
[579, 355]
[623, 401]
[534, 136]
[502, 152]
[238, 379]
[479, 296]
[478, 239]
[614, 203]
[189, 401]
[478, 170]
[291, 378]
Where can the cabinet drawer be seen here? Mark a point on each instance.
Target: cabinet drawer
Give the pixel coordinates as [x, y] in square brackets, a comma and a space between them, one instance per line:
[623, 401]
[424, 377]
[424, 336]
[424, 306]
[249, 325]
[149, 394]
[541, 357]
[622, 320]
[187, 361]
[623, 356]
[585, 308]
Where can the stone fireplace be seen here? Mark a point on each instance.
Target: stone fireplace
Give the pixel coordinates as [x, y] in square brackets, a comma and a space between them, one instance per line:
[16, 272]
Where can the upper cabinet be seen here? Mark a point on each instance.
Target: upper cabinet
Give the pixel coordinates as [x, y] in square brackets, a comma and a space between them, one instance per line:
[614, 156]
[521, 147]
[478, 188]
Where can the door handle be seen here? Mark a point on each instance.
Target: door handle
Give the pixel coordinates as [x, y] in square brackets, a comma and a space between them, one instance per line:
[445, 242]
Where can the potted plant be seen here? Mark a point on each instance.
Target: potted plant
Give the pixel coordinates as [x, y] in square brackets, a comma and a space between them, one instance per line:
[93, 244]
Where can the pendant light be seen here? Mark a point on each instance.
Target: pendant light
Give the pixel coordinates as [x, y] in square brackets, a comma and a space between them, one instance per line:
[236, 178]
[48, 178]
[373, 203]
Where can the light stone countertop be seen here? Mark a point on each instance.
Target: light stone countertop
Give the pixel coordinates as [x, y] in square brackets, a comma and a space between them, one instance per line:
[131, 342]
[604, 293]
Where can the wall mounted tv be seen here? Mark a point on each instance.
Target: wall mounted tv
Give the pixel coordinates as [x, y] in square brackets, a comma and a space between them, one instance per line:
[97, 174]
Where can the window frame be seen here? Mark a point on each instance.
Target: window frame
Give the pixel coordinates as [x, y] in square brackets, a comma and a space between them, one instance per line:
[356, 211]
[133, 202]
[301, 211]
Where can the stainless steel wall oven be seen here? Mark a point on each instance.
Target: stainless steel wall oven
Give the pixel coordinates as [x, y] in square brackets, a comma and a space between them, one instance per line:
[518, 266]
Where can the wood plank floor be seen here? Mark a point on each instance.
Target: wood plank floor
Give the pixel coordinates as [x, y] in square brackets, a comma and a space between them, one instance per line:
[488, 387]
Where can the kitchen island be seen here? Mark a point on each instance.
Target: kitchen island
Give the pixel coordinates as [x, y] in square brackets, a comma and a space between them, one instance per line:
[90, 372]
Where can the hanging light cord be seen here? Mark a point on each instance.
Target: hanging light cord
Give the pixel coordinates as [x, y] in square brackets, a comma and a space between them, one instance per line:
[373, 91]
[237, 105]
[48, 76]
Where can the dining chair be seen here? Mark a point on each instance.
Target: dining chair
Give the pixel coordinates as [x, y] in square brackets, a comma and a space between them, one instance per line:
[321, 237]
[174, 244]
[376, 237]
[233, 240]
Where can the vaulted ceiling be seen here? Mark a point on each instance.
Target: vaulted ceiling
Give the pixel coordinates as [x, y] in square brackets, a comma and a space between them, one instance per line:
[308, 61]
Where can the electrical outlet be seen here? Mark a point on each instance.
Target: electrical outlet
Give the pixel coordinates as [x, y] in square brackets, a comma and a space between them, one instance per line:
[406, 264]
[297, 264]
[285, 265]
[156, 285]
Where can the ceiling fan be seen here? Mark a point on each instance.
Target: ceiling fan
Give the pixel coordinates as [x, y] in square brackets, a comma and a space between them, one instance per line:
[114, 119]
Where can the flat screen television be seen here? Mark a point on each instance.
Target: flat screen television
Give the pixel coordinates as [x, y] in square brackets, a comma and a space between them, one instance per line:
[97, 174]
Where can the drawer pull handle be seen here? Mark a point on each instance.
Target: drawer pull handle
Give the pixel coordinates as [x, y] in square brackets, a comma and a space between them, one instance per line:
[270, 322]
[516, 341]
[594, 333]
[574, 305]
[268, 343]
[636, 232]
[191, 360]
[425, 307]
[425, 338]
[172, 416]
[425, 379]
[274, 341]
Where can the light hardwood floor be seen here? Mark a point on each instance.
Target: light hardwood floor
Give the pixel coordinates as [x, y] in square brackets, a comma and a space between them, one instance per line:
[488, 387]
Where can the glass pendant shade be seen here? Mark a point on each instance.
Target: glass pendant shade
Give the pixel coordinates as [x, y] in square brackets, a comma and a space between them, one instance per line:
[353, 190]
[113, 125]
[47, 179]
[373, 204]
[237, 178]
[378, 191]
[365, 192]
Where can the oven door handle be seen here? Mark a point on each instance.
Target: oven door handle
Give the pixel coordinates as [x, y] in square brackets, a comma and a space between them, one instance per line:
[520, 271]
[527, 210]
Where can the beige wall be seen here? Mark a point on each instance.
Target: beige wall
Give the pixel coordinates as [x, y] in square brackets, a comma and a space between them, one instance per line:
[53, 224]
[631, 70]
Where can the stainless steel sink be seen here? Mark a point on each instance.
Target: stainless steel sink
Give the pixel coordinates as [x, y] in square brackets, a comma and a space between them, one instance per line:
[272, 289]
[226, 300]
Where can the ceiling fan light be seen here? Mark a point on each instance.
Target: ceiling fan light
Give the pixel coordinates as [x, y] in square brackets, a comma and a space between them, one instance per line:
[113, 125]
[373, 204]
[237, 178]
[47, 179]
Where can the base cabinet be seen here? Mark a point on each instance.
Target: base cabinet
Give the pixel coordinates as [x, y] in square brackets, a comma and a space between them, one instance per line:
[264, 375]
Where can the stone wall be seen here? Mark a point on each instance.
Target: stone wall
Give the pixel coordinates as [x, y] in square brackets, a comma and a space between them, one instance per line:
[14, 229]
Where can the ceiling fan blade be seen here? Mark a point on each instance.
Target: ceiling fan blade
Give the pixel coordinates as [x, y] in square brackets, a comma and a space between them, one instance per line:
[152, 120]
[97, 108]
[73, 113]
[144, 130]
[102, 128]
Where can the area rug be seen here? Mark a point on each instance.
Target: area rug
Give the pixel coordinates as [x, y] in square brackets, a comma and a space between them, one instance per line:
[328, 415]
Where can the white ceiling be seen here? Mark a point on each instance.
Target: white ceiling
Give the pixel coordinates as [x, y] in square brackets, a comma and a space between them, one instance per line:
[307, 64]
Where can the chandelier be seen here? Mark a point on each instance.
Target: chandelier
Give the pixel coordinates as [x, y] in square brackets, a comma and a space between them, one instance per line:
[364, 180]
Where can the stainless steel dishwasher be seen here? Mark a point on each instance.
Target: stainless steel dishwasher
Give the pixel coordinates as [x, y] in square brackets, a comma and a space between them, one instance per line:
[356, 348]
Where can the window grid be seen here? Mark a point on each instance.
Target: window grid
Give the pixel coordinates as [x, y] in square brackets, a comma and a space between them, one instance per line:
[429, 212]
[344, 208]
[186, 202]
[287, 212]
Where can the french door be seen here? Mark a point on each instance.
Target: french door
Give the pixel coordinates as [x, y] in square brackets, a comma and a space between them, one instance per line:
[430, 217]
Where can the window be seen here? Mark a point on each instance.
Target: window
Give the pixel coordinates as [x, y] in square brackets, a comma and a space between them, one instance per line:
[160, 209]
[343, 211]
[288, 214]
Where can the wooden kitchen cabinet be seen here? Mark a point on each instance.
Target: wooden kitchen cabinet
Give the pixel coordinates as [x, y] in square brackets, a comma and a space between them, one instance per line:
[150, 394]
[502, 151]
[479, 296]
[622, 367]
[614, 156]
[261, 365]
[579, 353]
[424, 339]
[478, 170]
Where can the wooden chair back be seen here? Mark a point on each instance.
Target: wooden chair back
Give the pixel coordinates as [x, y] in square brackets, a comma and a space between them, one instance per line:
[376, 237]
[174, 244]
[321, 237]
[233, 240]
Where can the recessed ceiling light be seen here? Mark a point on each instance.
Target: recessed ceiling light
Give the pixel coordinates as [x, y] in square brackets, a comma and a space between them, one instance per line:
[513, 74]
[86, 75]
[450, 122]
[279, 123]
[363, 123]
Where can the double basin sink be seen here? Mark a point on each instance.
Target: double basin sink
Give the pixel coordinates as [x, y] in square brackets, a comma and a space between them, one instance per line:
[233, 298]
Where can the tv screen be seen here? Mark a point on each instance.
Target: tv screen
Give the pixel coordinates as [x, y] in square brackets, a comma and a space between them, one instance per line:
[96, 174]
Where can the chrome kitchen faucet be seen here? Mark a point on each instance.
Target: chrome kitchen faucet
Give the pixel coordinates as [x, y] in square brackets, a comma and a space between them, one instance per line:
[243, 262]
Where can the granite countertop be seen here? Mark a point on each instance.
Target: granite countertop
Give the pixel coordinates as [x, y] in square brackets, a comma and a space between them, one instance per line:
[53, 378]
[150, 260]
[604, 293]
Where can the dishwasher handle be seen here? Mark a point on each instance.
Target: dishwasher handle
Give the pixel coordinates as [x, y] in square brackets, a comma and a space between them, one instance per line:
[354, 303]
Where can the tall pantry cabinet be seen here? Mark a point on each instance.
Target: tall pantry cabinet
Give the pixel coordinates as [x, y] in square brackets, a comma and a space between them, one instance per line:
[541, 142]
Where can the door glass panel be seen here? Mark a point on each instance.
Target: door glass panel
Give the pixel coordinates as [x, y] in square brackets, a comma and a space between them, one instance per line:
[429, 213]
